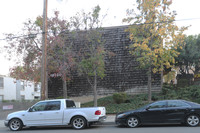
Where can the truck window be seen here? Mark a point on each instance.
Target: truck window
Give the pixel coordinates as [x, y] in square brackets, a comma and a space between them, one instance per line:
[53, 105]
[70, 104]
[39, 107]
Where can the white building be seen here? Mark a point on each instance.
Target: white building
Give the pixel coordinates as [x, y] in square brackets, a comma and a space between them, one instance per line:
[12, 89]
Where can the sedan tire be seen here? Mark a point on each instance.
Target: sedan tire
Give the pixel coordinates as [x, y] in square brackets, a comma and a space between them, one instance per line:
[78, 122]
[132, 122]
[15, 124]
[192, 120]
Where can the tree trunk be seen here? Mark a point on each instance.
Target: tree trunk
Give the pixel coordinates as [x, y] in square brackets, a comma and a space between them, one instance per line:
[64, 77]
[64, 86]
[95, 89]
[149, 84]
[161, 80]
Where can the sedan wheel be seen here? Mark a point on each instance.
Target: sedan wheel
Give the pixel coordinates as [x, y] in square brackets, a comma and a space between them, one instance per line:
[132, 122]
[192, 120]
[78, 122]
[15, 125]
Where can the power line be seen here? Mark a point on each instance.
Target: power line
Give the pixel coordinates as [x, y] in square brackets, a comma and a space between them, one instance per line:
[29, 36]
[169, 21]
[187, 19]
[22, 36]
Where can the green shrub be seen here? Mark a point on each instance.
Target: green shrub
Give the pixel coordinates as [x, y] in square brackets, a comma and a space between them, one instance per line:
[119, 97]
[60, 97]
[183, 82]
[154, 98]
[191, 93]
[167, 88]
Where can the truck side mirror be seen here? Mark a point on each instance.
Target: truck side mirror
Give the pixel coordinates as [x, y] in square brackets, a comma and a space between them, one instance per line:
[30, 110]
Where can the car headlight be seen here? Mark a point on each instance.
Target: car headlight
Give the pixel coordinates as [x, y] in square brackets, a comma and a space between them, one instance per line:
[120, 115]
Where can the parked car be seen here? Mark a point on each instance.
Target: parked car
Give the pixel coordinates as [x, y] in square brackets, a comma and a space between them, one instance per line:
[55, 112]
[162, 112]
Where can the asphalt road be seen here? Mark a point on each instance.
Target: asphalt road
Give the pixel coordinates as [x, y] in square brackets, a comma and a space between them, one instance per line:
[110, 129]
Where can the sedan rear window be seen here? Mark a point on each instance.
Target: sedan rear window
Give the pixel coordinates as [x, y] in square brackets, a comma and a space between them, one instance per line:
[174, 103]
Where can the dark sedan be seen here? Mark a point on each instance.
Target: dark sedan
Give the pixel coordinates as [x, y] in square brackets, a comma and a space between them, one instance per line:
[162, 112]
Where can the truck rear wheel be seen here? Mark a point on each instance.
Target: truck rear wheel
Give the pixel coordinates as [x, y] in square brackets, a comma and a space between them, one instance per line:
[78, 122]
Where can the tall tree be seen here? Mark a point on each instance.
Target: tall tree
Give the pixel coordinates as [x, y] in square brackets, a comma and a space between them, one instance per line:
[91, 57]
[25, 49]
[153, 34]
[28, 50]
[60, 53]
[189, 56]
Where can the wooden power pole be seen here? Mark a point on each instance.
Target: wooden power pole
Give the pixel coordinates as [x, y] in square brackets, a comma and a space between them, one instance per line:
[44, 53]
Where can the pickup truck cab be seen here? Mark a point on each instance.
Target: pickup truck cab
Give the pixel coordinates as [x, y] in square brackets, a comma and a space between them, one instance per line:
[53, 113]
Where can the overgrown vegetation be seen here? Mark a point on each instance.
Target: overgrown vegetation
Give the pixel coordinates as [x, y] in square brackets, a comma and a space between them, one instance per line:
[21, 101]
[119, 97]
[191, 93]
[112, 107]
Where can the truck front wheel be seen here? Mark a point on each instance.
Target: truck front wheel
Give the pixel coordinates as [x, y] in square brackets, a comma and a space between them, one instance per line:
[78, 122]
[15, 124]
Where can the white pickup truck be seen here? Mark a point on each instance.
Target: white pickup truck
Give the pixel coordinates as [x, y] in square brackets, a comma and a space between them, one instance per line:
[55, 112]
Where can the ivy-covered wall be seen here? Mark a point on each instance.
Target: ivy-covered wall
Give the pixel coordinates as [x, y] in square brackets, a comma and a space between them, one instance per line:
[122, 72]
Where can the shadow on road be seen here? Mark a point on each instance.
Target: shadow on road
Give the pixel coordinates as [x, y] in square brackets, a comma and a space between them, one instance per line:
[58, 128]
[158, 126]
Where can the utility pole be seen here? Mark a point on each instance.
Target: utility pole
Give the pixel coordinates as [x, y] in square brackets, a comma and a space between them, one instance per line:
[44, 53]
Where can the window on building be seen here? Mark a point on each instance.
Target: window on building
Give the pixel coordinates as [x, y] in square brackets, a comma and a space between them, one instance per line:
[22, 85]
[37, 87]
[1, 82]
[22, 97]
[1, 98]
[36, 97]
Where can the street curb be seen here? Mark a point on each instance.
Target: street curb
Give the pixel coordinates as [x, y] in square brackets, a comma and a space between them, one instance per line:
[97, 124]
[106, 123]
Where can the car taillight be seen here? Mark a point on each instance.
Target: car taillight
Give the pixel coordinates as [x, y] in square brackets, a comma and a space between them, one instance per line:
[98, 112]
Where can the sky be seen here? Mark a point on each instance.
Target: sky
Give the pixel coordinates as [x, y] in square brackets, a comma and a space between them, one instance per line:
[14, 12]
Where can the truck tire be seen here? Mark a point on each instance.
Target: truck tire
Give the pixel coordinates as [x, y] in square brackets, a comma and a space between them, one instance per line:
[15, 124]
[78, 122]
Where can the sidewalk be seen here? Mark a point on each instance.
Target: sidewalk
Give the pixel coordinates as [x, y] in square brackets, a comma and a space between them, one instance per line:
[2, 123]
[110, 120]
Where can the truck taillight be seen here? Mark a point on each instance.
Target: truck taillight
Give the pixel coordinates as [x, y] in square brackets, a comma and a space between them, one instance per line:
[98, 112]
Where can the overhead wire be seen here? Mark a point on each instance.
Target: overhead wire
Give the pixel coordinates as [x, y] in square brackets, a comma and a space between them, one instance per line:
[28, 36]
